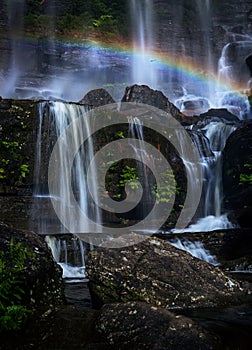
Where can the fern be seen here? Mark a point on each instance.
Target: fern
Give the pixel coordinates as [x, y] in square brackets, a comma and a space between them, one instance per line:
[12, 313]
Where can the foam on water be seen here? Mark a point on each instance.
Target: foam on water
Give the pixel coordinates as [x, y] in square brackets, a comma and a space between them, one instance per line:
[209, 223]
[196, 249]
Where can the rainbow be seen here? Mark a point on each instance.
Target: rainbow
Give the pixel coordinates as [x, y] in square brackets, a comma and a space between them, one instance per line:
[185, 70]
[183, 67]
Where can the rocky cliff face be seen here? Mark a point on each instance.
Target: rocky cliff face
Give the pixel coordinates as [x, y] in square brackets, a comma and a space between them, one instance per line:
[189, 28]
[237, 179]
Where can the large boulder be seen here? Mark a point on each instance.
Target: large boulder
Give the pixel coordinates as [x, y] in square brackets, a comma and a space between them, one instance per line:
[158, 273]
[132, 325]
[65, 327]
[237, 174]
[42, 279]
[144, 94]
[137, 325]
[97, 98]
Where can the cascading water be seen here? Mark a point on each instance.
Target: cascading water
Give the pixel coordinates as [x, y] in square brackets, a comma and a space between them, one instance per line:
[143, 159]
[143, 70]
[47, 67]
[69, 253]
[62, 115]
[15, 21]
[217, 133]
[205, 15]
[58, 116]
[232, 69]
[196, 249]
[211, 217]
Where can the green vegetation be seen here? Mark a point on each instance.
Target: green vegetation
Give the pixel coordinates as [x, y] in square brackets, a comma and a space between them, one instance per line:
[103, 16]
[129, 175]
[167, 188]
[123, 172]
[11, 166]
[120, 173]
[246, 178]
[12, 312]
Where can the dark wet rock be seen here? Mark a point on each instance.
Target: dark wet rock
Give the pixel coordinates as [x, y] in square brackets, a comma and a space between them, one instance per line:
[132, 325]
[219, 115]
[237, 178]
[233, 324]
[18, 124]
[43, 285]
[137, 325]
[144, 94]
[96, 98]
[158, 273]
[232, 248]
[66, 327]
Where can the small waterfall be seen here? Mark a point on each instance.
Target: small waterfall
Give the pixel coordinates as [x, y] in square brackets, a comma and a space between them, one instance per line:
[217, 133]
[205, 15]
[211, 218]
[143, 159]
[196, 249]
[224, 68]
[73, 172]
[232, 70]
[64, 115]
[15, 10]
[193, 169]
[69, 253]
[143, 70]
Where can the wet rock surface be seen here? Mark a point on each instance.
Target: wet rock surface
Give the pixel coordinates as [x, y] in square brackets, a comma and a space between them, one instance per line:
[18, 127]
[146, 95]
[66, 327]
[219, 115]
[136, 325]
[141, 272]
[237, 168]
[232, 248]
[97, 98]
[119, 326]
[158, 273]
[41, 280]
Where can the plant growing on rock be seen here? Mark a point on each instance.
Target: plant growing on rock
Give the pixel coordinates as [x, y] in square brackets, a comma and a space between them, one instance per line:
[167, 189]
[12, 166]
[12, 312]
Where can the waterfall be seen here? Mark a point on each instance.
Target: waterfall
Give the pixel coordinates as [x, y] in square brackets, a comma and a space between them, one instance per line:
[143, 69]
[64, 115]
[205, 15]
[224, 68]
[232, 69]
[212, 218]
[60, 116]
[196, 249]
[217, 133]
[69, 253]
[143, 159]
[15, 10]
